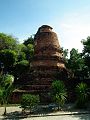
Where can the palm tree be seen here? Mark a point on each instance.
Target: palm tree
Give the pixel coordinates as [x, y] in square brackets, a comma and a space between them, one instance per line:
[82, 94]
[59, 93]
[6, 88]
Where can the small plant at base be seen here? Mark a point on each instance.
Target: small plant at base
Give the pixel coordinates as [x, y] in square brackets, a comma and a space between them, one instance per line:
[29, 101]
[59, 93]
[82, 95]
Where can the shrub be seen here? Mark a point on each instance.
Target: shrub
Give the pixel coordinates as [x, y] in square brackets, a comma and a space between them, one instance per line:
[29, 101]
[6, 88]
[82, 95]
[59, 93]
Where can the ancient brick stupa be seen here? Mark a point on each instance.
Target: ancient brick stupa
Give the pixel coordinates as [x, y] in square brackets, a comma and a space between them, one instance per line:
[47, 62]
[48, 57]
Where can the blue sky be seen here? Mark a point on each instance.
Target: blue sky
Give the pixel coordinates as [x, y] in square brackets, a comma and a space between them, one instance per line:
[70, 19]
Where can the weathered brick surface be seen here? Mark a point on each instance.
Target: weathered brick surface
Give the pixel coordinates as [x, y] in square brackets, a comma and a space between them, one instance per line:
[48, 57]
[47, 49]
[48, 60]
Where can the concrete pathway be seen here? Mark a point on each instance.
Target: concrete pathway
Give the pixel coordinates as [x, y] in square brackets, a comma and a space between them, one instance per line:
[14, 113]
[65, 117]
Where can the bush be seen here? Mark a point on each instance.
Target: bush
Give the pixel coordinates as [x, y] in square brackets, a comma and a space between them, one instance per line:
[82, 95]
[59, 93]
[29, 101]
[6, 88]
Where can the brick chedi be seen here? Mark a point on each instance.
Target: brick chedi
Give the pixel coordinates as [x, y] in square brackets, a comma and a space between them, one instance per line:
[47, 62]
[48, 57]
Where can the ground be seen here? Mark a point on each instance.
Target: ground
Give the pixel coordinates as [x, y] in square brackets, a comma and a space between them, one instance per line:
[65, 117]
[14, 113]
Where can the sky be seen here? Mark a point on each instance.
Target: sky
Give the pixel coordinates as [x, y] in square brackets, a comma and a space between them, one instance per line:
[70, 19]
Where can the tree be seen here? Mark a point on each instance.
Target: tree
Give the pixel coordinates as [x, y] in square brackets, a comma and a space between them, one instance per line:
[21, 55]
[6, 89]
[76, 63]
[29, 101]
[86, 53]
[20, 68]
[8, 58]
[7, 42]
[65, 53]
[12, 53]
[65, 56]
[59, 93]
[29, 51]
[86, 44]
[30, 40]
[25, 52]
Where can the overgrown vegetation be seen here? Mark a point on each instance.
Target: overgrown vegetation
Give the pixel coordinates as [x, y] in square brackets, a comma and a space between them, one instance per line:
[82, 93]
[16, 58]
[29, 102]
[59, 94]
[6, 88]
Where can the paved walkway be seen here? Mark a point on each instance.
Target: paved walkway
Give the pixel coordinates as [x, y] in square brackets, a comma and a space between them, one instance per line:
[14, 113]
[65, 117]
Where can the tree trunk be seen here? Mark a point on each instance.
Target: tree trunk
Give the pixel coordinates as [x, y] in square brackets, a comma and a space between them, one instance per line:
[59, 107]
[5, 112]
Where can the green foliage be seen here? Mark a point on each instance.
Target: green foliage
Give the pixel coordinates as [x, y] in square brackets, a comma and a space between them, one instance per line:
[20, 52]
[86, 44]
[30, 40]
[29, 51]
[82, 95]
[65, 53]
[29, 101]
[59, 93]
[6, 88]
[8, 57]
[20, 68]
[1, 94]
[86, 53]
[21, 56]
[7, 42]
[8, 80]
[76, 63]
[6, 84]
[23, 62]
[13, 54]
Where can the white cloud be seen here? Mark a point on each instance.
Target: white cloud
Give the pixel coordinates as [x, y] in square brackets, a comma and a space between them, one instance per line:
[72, 29]
[73, 34]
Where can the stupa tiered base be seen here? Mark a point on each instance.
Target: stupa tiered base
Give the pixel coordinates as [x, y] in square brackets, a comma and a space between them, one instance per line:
[47, 63]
